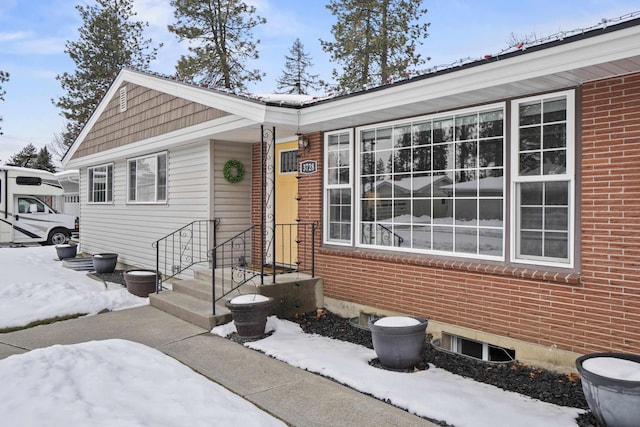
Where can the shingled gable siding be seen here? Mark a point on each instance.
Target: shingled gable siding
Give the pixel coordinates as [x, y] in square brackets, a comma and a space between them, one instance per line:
[598, 310]
[149, 113]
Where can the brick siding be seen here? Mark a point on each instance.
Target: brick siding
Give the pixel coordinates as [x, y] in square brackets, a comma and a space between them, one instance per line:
[594, 309]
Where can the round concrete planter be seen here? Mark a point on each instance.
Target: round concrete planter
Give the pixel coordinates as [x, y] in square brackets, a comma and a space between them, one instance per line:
[66, 251]
[249, 314]
[399, 341]
[611, 385]
[104, 263]
[140, 282]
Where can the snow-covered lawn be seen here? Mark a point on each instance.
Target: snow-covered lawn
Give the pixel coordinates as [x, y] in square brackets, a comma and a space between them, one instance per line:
[33, 286]
[115, 383]
[98, 383]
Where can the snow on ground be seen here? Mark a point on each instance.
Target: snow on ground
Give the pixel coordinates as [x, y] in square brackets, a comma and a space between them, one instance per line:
[33, 286]
[434, 393]
[115, 383]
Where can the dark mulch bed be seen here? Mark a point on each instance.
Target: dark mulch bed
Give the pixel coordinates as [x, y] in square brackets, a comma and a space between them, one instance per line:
[542, 384]
[116, 276]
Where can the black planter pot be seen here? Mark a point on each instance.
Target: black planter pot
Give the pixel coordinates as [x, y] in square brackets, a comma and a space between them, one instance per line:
[66, 251]
[104, 263]
[398, 344]
[613, 400]
[249, 314]
[140, 282]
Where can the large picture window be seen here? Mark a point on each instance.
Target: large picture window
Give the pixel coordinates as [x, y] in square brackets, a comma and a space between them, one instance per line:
[446, 184]
[434, 184]
[100, 184]
[147, 179]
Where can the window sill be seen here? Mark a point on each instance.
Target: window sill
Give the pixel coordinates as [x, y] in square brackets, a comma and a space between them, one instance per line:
[484, 267]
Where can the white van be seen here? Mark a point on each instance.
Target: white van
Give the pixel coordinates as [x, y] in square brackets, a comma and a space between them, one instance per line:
[26, 214]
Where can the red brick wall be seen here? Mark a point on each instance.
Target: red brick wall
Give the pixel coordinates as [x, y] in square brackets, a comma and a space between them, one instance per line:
[595, 310]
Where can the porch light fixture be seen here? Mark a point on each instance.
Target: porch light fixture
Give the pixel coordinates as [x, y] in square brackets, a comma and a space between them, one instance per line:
[303, 142]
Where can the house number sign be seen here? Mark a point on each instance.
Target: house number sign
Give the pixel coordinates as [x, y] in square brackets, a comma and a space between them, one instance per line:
[308, 167]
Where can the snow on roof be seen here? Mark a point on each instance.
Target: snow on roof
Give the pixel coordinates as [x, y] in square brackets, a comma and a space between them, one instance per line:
[285, 98]
[24, 170]
[68, 175]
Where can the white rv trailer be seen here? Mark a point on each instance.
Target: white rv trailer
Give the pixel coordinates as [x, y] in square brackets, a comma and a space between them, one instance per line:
[26, 214]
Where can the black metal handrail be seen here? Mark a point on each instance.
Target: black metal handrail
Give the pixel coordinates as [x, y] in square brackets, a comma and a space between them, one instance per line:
[184, 248]
[239, 259]
[294, 248]
[233, 258]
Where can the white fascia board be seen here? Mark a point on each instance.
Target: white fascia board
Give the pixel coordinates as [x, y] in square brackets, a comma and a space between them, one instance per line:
[583, 53]
[202, 131]
[282, 116]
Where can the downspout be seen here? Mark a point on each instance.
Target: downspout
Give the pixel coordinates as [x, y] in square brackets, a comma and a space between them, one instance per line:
[262, 234]
[273, 198]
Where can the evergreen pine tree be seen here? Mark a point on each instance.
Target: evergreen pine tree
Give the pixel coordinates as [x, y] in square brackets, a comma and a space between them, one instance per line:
[295, 77]
[375, 40]
[43, 160]
[109, 40]
[220, 39]
[25, 158]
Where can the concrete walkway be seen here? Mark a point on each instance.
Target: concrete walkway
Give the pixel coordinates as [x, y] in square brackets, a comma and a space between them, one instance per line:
[297, 397]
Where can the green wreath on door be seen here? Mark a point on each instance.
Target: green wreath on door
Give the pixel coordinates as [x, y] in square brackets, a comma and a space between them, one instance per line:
[230, 167]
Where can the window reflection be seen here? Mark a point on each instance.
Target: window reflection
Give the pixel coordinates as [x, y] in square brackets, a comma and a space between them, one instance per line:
[435, 184]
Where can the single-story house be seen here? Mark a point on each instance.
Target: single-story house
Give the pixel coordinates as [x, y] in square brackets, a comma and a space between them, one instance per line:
[546, 264]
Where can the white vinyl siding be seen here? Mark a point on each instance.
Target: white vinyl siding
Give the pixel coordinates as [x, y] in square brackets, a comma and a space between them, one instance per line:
[130, 229]
[197, 191]
[232, 202]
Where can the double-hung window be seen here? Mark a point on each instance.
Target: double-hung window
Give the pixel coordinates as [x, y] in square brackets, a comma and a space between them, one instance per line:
[543, 171]
[100, 184]
[147, 179]
[338, 187]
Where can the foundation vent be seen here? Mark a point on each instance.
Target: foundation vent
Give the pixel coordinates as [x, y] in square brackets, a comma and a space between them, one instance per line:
[477, 349]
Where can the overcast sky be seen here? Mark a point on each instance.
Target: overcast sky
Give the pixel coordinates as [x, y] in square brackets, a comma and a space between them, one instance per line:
[33, 34]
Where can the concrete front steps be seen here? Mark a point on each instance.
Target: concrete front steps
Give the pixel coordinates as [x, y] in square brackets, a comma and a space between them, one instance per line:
[191, 300]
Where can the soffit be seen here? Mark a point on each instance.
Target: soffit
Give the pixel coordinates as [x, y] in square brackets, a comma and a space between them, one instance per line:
[549, 69]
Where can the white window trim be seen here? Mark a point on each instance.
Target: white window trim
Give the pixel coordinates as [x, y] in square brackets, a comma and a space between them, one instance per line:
[356, 219]
[156, 202]
[327, 187]
[569, 175]
[109, 183]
